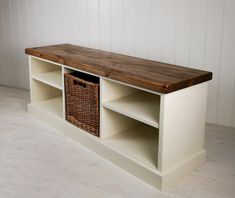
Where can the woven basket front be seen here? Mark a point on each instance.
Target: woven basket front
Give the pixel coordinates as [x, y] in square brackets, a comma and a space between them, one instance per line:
[82, 101]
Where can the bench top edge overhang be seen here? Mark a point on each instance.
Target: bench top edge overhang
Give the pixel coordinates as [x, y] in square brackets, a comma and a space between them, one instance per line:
[148, 74]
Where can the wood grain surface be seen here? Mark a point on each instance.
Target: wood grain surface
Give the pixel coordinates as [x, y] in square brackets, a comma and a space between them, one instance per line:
[152, 75]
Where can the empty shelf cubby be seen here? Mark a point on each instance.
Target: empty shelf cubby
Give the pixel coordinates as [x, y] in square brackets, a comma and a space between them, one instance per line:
[133, 138]
[47, 98]
[46, 72]
[134, 103]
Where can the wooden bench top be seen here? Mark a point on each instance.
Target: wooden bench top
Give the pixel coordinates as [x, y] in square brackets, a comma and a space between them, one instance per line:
[152, 75]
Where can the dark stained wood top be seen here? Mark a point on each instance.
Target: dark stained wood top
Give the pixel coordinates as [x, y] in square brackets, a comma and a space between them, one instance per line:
[152, 75]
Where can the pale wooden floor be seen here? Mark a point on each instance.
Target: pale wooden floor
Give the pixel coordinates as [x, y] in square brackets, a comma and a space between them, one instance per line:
[37, 161]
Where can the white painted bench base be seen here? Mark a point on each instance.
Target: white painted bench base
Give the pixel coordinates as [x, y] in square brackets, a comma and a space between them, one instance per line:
[177, 119]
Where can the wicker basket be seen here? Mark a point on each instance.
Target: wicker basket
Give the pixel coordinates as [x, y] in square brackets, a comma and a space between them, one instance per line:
[82, 101]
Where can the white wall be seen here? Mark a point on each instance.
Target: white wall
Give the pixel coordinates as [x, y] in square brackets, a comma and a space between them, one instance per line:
[193, 33]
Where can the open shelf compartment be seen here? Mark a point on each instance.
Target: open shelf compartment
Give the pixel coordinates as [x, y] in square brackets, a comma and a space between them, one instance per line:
[47, 98]
[46, 72]
[135, 139]
[137, 104]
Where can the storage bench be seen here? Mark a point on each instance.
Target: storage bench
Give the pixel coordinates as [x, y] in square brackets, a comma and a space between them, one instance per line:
[152, 114]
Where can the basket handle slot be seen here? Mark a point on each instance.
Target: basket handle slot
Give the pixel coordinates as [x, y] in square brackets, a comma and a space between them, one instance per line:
[79, 83]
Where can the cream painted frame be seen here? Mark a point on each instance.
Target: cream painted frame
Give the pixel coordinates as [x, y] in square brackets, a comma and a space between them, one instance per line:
[180, 136]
